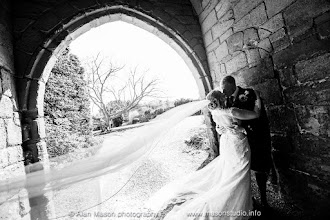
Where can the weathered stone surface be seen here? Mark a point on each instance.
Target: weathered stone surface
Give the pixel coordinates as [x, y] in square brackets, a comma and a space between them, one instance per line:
[265, 48]
[13, 131]
[282, 119]
[313, 120]
[270, 91]
[248, 77]
[197, 6]
[236, 63]
[300, 51]
[308, 144]
[254, 19]
[227, 34]
[8, 87]
[209, 9]
[209, 21]
[271, 26]
[279, 40]
[312, 94]
[222, 7]
[273, 7]
[3, 133]
[213, 45]
[244, 7]
[299, 16]
[287, 77]
[6, 107]
[208, 38]
[282, 143]
[221, 51]
[250, 36]
[15, 154]
[221, 27]
[317, 68]
[324, 30]
[235, 42]
[253, 57]
[47, 22]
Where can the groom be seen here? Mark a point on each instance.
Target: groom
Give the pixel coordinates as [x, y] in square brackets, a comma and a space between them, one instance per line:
[257, 129]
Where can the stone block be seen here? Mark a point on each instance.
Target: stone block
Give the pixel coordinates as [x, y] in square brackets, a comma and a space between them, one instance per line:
[244, 7]
[3, 135]
[14, 134]
[225, 35]
[207, 10]
[213, 45]
[235, 42]
[47, 22]
[300, 51]
[270, 91]
[6, 107]
[308, 144]
[221, 27]
[236, 63]
[282, 119]
[287, 77]
[265, 48]
[274, 7]
[279, 40]
[221, 51]
[317, 68]
[253, 57]
[208, 38]
[197, 6]
[282, 143]
[250, 37]
[31, 39]
[8, 87]
[21, 24]
[200, 51]
[311, 94]
[254, 19]
[324, 30]
[15, 154]
[322, 18]
[209, 21]
[299, 16]
[222, 7]
[271, 26]
[248, 77]
[313, 120]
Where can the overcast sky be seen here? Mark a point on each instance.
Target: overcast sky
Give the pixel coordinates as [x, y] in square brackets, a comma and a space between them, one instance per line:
[127, 44]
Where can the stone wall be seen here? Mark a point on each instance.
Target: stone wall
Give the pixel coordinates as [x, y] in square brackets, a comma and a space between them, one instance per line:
[281, 48]
[11, 154]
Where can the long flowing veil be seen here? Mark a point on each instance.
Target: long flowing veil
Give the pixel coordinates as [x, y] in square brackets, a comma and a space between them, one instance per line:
[107, 160]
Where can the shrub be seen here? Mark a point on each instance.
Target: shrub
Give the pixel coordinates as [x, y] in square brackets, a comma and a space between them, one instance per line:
[66, 107]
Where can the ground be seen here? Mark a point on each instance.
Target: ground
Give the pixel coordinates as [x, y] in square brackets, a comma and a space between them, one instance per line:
[121, 195]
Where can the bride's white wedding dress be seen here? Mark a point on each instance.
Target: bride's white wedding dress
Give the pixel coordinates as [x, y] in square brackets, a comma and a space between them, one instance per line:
[221, 190]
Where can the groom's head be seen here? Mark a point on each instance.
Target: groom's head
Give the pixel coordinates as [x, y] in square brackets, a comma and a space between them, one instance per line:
[228, 85]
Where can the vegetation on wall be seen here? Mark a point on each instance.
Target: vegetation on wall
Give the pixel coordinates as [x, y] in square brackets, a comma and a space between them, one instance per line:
[67, 107]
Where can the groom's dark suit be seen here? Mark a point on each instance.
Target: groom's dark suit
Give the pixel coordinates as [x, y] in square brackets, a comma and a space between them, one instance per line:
[258, 131]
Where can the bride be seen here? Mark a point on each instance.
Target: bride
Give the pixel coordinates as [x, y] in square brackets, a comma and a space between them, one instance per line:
[221, 190]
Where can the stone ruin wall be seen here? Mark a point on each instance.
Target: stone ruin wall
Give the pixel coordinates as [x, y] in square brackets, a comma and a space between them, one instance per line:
[281, 48]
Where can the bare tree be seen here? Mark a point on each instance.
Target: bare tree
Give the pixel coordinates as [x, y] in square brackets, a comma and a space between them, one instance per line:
[103, 81]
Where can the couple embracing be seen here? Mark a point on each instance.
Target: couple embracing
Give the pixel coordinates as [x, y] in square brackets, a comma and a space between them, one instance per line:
[222, 189]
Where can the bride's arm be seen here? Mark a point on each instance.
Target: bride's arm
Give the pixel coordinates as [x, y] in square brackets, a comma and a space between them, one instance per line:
[243, 114]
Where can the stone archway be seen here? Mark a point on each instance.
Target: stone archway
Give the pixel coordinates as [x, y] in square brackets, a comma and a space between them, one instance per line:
[38, 46]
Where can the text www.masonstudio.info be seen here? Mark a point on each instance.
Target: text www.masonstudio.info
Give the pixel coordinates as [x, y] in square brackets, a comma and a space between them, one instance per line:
[225, 214]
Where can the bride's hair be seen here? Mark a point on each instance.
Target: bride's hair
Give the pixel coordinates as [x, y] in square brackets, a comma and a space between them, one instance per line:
[217, 99]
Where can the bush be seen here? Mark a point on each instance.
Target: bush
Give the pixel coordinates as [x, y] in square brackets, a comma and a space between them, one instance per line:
[66, 107]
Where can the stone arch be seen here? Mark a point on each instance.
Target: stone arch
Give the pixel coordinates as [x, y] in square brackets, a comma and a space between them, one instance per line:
[38, 46]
